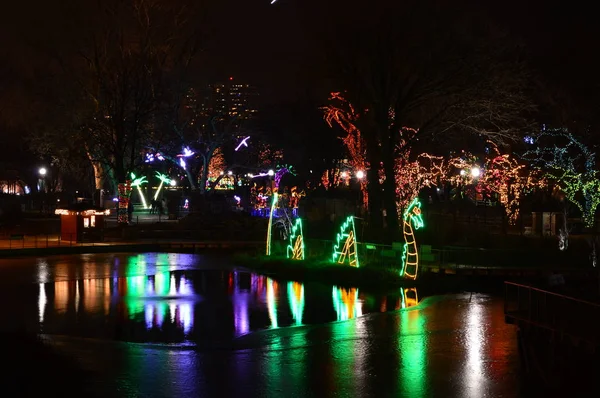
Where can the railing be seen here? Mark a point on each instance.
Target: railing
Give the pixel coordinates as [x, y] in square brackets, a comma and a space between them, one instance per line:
[55, 241]
[553, 311]
[22, 241]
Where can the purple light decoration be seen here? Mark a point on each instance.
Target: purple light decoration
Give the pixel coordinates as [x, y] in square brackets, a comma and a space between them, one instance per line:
[187, 152]
[151, 157]
[243, 142]
[182, 163]
[279, 175]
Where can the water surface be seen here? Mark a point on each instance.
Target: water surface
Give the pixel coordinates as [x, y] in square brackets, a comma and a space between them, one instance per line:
[161, 325]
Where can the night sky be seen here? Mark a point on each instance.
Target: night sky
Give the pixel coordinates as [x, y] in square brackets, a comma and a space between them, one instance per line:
[281, 48]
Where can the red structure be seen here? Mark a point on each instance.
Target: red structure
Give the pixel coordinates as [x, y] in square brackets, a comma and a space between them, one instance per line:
[82, 222]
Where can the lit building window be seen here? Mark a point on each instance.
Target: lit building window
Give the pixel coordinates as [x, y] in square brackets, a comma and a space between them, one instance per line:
[92, 221]
[86, 222]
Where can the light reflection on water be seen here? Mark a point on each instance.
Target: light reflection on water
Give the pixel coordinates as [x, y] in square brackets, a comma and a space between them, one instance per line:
[190, 306]
[449, 346]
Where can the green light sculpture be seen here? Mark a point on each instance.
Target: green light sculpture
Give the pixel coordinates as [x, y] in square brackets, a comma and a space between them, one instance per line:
[410, 255]
[137, 182]
[164, 179]
[295, 249]
[275, 199]
[349, 251]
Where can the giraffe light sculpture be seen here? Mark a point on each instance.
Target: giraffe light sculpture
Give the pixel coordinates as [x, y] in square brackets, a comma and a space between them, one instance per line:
[410, 256]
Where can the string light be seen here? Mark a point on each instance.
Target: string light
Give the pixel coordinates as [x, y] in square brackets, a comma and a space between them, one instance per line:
[295, 249]
[410, 254]
[275, 199]
[244, 142]
[349, 251]
[572, 166]
[137, 182]
[163, 180]
[346, 117]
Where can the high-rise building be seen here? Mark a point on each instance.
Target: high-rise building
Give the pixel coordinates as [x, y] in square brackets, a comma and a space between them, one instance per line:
[230, 99]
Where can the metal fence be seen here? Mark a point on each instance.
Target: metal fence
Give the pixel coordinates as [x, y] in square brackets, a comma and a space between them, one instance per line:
[553, 311]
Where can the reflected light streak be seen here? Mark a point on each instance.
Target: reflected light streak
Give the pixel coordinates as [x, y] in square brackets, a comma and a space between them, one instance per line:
[42, 270]
[77, 297]
[42, 300]
[180, 314]
[346, 304]
[296, 300]
[172, 287]
[61, 296]
[413, 353]
[241, 317]
[271, 303]
[475, 339]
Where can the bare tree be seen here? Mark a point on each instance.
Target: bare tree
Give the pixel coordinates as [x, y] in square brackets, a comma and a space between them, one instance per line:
[429, 73]
[124, 66]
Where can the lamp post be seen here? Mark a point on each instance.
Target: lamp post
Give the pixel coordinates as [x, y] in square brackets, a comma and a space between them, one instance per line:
[42, 183]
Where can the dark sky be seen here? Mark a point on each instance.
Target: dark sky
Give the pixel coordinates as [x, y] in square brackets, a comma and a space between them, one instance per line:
[278, 47]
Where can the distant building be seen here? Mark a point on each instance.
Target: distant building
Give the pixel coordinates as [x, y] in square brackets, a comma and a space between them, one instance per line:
[231, 99]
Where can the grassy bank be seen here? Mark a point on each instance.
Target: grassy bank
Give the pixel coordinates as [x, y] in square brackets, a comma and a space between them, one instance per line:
[370, 278]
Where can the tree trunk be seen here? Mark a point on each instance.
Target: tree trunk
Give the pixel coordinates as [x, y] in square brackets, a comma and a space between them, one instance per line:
[190, 178]
[204, 174]
[389, 199]
[374, 188]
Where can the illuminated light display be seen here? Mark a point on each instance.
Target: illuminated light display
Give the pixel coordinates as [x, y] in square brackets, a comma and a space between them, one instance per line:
[501, 174]
[187, 152]
[163, 180]
[572, 166]
[124, 194]
[272, 302]
[346, 117]
[270, 226]
[295, 249]
[349, 250]
[296, 299]
[137, 182]
[243, 142]
[281, 171]
[345, 303]
[410, 255]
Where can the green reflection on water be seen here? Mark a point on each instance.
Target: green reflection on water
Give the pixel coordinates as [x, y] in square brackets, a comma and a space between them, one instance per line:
[413, 349]
[296, 299]
[161, 283]
[345, 303]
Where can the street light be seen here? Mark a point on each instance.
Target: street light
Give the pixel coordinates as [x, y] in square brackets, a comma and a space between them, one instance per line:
[271, 173]
[172, 183]
[475, 172]
[360, 174]
[43, 171]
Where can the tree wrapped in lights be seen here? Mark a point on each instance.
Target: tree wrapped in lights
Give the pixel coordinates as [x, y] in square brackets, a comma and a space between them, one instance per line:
[124, 195]
[501, 174]
[571, 165]
[343, 114]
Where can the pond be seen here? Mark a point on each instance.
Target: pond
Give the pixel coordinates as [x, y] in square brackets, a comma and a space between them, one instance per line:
[164, 325]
